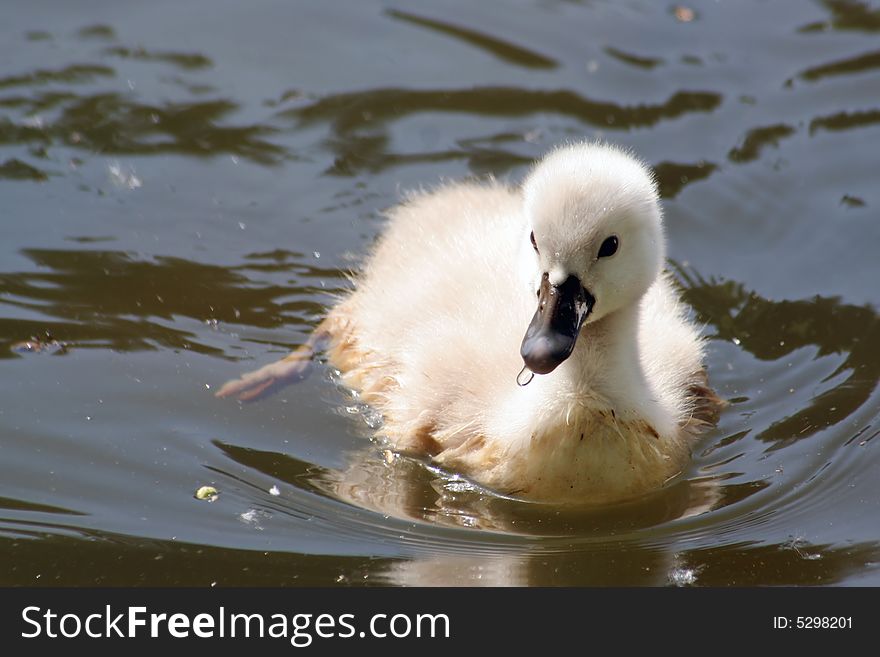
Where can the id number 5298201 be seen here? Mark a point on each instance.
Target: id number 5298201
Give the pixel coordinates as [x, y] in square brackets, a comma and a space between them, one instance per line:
[813, 622]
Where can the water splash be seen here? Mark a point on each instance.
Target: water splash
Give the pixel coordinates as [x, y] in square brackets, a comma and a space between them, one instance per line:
[521, 379]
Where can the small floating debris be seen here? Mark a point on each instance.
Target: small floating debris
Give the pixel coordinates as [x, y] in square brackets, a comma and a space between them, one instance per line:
[683, 14]
[852, 201]
[37, 345]
[253, 518]
[208, 493]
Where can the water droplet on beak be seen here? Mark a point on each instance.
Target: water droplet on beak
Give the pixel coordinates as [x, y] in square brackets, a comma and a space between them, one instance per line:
[525, 377]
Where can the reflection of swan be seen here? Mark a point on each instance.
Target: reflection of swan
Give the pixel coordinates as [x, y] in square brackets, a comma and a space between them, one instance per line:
[423, 511]
[400, 487]
[433, 334]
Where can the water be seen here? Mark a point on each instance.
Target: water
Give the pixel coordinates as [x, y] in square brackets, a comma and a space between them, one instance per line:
[184, 186]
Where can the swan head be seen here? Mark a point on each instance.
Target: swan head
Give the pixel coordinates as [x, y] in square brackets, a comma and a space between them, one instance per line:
[596, 241]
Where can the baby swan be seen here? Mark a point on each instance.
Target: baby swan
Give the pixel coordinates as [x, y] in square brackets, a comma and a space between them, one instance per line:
[444, 317]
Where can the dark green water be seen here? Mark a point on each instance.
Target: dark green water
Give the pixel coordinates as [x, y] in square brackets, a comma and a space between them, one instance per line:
[182, 185]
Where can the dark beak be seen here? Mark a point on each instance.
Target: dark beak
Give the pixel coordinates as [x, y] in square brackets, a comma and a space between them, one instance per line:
[550, 338]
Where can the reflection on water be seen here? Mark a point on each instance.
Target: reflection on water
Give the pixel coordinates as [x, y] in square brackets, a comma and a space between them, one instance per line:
[763, 150]
[55, 112]
[772, 330]
[634, 60]
[402, 487]
[200, 565]
[847, 15]
[351, 111]
[184, 564]
[504, 50]
[15, 169]
[672, 177]
[857, 64]
[845, 120]
[115, 300]
[73, 74]
[756, 139]
[122, 124]
[112, 123]
[361, 143]
[186, 61]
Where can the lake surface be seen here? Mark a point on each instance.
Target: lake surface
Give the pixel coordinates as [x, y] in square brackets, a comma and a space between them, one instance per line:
[184, 185]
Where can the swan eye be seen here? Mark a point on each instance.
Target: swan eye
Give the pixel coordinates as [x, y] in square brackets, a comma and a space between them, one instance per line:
[534, 243]
[609, 247]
